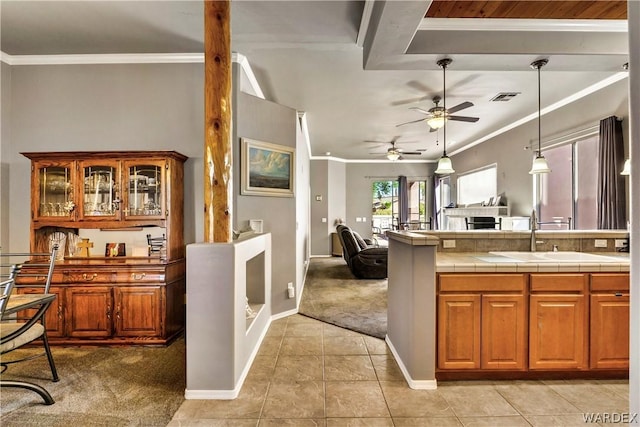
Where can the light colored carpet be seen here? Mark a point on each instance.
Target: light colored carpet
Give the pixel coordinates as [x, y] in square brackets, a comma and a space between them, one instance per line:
[99, 386]
[333, 295]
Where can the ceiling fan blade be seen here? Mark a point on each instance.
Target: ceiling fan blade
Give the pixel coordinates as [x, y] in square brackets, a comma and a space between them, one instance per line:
[409, 101]
[459, 107]
[413, 153]
[413, 121]
[428, 113]
[464, 119]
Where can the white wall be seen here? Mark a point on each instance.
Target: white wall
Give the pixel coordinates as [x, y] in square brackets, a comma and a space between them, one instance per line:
[514, 162]
[5, 144]
[142, 107]
[105, 107]
[267, 121]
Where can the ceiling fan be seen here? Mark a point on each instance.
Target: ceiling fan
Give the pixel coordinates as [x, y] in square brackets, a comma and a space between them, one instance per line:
[437, 115]
[394, 153]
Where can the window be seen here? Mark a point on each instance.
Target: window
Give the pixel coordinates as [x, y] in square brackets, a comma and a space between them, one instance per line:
[566, 197]
[477, 186]
[386, 205]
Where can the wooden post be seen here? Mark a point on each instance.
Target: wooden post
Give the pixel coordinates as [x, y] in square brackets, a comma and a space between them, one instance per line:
[218, 154]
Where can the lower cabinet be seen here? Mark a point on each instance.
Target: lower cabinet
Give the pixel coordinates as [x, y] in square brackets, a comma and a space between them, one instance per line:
[558, 321]
[532, 323]
[484, 329]
[89, 311]
[609, 322]
[132, 308]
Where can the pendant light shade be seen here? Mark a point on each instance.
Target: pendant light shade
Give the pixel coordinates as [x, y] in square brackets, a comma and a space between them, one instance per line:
[626, 170]
[444, 164]
[540, 164]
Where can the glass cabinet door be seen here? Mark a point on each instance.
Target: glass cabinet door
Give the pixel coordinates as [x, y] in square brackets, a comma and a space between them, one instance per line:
[145, 189]
[101, 195]
[55, 198]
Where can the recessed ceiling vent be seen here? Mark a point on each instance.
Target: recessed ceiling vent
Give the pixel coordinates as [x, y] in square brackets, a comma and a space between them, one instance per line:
[504, 96]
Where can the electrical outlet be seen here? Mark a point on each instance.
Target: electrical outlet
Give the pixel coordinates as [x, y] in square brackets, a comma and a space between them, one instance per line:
[621, 243]
[600, 243]
[291, 290]
[448, 244]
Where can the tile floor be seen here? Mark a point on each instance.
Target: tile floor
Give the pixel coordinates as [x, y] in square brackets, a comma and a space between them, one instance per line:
[309, 373]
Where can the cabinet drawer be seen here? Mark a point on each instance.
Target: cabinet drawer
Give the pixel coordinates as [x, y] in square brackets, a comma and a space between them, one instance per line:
[90, 277]
[35, 278]
[609, 282]
[558, 282]
[139, 277]
[482, 282]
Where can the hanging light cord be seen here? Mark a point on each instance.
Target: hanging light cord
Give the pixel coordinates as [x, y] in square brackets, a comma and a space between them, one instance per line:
[444, 109]
[539, 119]
[538, 65]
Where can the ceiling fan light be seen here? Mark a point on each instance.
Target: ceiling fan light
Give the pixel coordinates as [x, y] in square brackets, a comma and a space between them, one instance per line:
[539, 165]
[626, 170]
[436, 122]
[393, 155]
[445, 166]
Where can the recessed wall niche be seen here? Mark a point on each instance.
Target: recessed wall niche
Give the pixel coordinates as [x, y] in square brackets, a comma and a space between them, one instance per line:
[255, 286]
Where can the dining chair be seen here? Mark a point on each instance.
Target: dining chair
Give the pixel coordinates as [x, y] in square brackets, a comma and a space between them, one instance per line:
[28, 325]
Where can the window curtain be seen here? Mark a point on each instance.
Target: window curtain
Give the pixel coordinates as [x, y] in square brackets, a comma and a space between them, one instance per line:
[403, 200]
[611, 189]
[434, 205]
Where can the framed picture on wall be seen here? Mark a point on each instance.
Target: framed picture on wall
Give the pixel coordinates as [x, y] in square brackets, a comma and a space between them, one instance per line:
[267, 169]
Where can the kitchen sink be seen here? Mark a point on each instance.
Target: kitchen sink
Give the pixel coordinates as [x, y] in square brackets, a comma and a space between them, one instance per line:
[561, 256]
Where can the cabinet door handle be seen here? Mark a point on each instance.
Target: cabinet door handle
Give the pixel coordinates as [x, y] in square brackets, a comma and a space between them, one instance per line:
[108, 312]
[88, 277]
[138, 276]
[618, 294]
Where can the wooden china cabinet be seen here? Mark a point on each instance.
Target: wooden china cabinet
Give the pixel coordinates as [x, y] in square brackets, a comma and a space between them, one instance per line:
[121, 300]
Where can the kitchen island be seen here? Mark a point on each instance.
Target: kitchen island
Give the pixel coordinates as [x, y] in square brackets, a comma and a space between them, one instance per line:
[508, 314]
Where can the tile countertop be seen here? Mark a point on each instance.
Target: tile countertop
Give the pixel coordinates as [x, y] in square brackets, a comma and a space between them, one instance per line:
[485, 262]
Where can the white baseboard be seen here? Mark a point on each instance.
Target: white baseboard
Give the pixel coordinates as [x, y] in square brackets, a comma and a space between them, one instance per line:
[414, 384]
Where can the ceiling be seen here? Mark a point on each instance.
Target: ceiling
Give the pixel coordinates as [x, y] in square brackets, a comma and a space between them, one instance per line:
[357, 67]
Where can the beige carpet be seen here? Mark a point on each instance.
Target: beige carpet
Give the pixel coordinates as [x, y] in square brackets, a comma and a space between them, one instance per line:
[99, 386]
[333, 295]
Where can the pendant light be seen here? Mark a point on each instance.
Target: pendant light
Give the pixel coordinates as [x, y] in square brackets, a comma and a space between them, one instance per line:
[444, 164]
[626, 169]
[540, 164]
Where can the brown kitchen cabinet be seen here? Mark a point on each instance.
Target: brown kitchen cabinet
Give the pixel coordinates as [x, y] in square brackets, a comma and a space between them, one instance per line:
[482, 322]
[111, 300]
[558, 333]
[609, 321]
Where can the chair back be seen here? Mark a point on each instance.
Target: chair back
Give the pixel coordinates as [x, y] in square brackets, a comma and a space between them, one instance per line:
[5, 291]
[14, 262]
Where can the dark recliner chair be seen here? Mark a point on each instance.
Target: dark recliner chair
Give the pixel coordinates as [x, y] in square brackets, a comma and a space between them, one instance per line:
[364, 260]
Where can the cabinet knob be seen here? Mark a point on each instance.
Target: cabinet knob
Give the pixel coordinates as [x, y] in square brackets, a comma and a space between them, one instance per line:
[89, 277]
[138, 276]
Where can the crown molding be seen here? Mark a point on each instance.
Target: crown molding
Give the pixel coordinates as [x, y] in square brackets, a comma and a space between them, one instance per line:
[551, 25]
[116, 58]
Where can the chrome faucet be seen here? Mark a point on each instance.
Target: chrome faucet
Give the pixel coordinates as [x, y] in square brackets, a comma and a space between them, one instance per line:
[533, 225]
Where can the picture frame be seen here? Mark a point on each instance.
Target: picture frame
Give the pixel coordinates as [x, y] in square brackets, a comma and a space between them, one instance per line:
[115, 250]
[267, 169]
